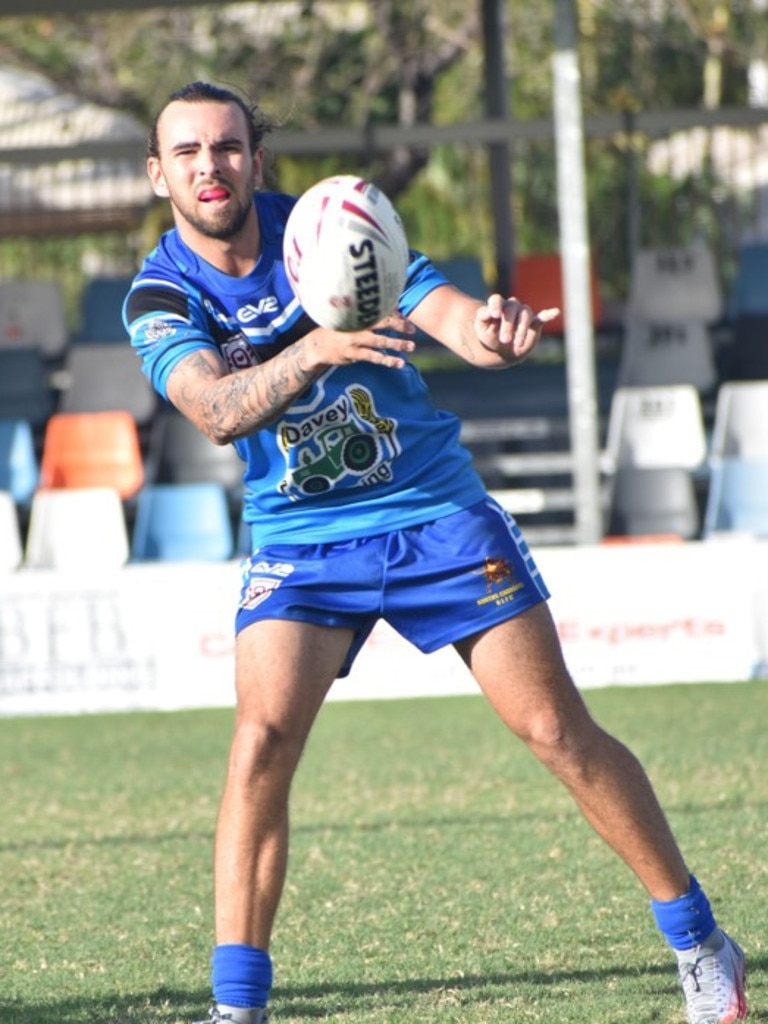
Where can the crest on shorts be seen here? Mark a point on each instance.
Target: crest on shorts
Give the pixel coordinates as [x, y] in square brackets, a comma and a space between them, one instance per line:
[257, 590]
[500, 583]
[496, 571]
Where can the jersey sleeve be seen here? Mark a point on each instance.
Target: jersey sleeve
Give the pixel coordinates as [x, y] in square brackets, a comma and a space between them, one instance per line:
[422, 278]
[165, 323]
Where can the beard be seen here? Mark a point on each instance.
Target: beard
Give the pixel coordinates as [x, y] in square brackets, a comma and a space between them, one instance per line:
[221, 224]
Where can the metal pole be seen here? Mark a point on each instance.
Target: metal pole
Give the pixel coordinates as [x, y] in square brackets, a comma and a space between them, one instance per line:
[499, 155]
[575, 255]
[633, 196]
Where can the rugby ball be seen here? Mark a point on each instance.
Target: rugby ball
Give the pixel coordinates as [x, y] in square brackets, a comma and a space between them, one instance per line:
[345, 253]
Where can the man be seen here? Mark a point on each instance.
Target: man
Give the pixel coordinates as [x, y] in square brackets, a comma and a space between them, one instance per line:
[223, 338]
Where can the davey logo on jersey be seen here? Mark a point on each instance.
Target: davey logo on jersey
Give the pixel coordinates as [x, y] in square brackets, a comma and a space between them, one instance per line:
[344, 444]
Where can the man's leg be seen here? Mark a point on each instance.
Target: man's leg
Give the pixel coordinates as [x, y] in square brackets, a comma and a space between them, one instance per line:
[283, 672]
[519, 666]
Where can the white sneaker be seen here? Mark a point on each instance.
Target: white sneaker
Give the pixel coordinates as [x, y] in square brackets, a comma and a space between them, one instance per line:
[258, 1015]
[713, 981]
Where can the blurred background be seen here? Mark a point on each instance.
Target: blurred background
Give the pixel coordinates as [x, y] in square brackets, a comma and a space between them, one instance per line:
[450, 108]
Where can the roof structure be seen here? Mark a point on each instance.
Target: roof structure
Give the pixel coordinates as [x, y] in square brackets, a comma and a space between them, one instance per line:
[81, 6]
[66, 164]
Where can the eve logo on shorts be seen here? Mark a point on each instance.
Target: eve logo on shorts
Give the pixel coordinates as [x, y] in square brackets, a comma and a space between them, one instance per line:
[262, 578]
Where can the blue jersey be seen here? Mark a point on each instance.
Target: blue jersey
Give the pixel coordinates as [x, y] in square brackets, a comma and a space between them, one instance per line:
[362, 451]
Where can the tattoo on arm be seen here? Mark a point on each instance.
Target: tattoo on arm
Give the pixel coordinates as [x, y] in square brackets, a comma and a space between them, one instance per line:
[228, 406]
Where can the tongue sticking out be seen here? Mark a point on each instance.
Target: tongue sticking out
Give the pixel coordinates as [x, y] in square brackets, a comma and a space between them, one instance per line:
[209, 195]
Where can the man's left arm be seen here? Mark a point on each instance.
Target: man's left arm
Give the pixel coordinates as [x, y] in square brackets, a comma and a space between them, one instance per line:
[495, 334]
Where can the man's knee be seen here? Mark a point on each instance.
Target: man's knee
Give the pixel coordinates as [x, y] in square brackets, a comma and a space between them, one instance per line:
[262, 748]
[563, 738]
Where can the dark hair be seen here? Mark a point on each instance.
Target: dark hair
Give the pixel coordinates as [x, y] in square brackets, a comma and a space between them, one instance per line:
[204, 92]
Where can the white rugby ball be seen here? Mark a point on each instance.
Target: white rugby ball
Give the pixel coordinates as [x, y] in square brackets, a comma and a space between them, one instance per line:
[345, 253]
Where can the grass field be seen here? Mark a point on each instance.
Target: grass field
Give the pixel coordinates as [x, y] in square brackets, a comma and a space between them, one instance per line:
[437, 872]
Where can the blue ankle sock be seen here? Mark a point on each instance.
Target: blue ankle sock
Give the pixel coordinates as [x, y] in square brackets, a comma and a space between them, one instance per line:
[687, 921]
[242, 975]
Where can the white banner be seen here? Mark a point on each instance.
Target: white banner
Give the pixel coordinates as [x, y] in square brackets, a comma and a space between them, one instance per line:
[161, 636]
[144, 636]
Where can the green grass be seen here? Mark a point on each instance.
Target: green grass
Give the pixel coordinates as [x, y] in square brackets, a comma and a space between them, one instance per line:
[437, 872]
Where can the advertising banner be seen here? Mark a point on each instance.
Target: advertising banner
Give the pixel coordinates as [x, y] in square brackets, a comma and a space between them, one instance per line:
[161, 636]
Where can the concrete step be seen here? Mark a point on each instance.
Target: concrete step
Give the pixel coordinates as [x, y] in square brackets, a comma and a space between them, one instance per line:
[510, 428]
[513, 464]
[550, 535]
[531, 500]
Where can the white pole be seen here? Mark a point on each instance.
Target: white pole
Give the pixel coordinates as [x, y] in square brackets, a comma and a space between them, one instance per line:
[575, 255]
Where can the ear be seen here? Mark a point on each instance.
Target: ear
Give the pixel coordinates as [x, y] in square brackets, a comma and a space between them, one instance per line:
[258, 168]
[157, 177]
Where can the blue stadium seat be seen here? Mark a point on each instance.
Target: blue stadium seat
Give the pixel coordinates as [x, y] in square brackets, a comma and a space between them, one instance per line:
[466, 273]
[243, 541]
[25, 391]
[737, 501]
[19, 468]
[746, 356]
[749, 296]
[101, 310]
[182, 523]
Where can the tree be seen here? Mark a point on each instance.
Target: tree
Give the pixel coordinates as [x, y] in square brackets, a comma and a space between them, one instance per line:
[343, 64]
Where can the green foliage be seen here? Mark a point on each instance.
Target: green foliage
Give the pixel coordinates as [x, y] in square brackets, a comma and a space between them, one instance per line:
[415, 61]
[438, 873]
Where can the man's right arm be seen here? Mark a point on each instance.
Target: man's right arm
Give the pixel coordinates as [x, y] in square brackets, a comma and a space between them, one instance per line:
[169, 330]
[228, 405]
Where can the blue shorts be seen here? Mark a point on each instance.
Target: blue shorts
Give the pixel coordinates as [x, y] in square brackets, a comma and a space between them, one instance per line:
[435, 583]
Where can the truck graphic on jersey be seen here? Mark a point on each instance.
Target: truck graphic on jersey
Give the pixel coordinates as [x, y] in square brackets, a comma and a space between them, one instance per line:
[345, 444]
[341, 450]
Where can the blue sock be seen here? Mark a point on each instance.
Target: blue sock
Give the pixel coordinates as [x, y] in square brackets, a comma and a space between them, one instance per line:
[242, 975]
[687, 921]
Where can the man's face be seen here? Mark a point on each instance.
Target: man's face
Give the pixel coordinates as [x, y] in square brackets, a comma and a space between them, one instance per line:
[206, 167]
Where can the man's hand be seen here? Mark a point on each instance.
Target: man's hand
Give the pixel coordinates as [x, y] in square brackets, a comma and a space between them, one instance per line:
[340, 348]
[509, 327]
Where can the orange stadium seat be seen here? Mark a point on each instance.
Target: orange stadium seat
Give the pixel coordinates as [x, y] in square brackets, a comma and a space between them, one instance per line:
[538, 281]
[92, 449]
